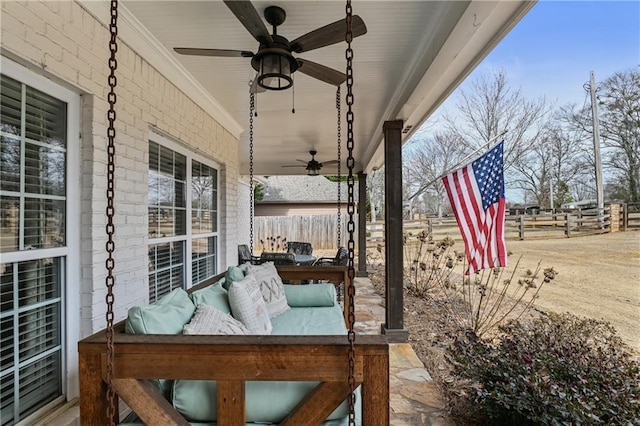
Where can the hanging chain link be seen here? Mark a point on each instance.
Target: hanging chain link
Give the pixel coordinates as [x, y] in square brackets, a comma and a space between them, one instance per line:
[110, 228]
[252, 107]
[351, 213]
[339, 226]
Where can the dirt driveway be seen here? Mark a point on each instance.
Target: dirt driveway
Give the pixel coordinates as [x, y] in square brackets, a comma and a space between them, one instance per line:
[599, 277]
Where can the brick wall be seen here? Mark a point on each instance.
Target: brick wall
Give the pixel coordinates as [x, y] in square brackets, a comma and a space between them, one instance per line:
[63, 41]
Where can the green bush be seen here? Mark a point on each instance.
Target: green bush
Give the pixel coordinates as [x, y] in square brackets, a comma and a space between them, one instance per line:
[556, 370]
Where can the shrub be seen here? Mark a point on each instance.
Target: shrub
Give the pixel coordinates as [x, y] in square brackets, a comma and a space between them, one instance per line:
[428, 263]
[492, 296]
[555, 370]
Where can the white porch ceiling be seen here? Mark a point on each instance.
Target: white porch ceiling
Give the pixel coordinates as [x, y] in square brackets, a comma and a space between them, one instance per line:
[413, 56]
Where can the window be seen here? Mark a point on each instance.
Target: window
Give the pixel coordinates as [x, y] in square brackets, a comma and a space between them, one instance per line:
[174, 177]
[34, 246]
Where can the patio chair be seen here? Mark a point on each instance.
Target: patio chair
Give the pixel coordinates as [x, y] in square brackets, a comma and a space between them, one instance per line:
[278, 258]
[244, 255]
[340, 259]
[297, 247]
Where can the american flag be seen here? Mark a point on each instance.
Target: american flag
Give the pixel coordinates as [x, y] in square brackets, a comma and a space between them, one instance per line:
[476, 193]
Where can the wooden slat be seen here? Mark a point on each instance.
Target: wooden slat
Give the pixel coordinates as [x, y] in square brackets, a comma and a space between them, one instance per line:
[318, 404]
[231, 403]
[241, 366]
[93, 391]
[375, 392]
[143, 398]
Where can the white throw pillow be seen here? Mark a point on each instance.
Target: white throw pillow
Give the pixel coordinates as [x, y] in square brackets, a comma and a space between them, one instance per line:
[209, 320]
[271, 287]
[248, 306]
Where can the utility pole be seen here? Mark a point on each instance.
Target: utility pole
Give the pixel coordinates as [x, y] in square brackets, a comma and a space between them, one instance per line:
[596, 145]
[551, 203]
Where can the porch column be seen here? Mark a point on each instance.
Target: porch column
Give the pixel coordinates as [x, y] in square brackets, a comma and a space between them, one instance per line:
[394, 326]
[362, 225]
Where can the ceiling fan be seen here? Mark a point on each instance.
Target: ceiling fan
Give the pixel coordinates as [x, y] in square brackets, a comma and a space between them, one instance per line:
[274, 60]
[312, 166]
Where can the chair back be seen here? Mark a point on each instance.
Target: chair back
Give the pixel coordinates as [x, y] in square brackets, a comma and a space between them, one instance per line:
[278, 258]
[342, 257]
[244, 254]
[297, 247]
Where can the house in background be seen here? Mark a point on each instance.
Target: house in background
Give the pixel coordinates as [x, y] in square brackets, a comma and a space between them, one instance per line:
[301, 195]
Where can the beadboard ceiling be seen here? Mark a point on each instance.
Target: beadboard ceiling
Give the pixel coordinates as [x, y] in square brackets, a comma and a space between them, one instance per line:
[413, 56]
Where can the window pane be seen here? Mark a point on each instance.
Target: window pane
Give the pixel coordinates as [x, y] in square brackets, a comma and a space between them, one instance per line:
[9, 164]
[181, 221]
[44, 170]
[203, 264]
[40, 383]
[203, 198]
[10, 105]
[7, 399]
[154, 227]
[46, 118]
[9, 223]
[38, 281]
[6, 343]
[44, 223]
[166, 266]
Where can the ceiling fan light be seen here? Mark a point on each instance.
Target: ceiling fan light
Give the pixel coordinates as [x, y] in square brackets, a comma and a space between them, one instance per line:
[275, 72]
[313, 172]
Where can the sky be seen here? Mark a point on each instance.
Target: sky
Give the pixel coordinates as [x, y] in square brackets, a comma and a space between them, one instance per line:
[556, 45]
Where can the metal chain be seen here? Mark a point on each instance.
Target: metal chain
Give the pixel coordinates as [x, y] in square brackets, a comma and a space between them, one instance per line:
[110, 228]
[351, 212]
[339, 226]
[252, 107]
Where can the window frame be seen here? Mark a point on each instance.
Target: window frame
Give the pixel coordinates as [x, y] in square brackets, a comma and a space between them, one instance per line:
[70, 253]
[188, 236]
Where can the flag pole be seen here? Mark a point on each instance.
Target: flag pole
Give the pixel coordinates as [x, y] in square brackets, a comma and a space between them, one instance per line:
[458, 164]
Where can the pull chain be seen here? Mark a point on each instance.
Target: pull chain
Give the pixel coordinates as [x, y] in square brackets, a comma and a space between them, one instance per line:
[110, 211]
[351, 211]
[252, 106]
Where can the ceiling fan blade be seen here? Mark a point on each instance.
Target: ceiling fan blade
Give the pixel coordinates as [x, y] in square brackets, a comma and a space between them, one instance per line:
[327, 35]
[326, 74]
[249, 17]
[330, 163]
[213, 52]
[294, 165]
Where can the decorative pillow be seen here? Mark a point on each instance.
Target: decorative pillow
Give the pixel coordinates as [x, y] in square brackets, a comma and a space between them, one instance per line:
[234, 273]
[209, 320]
[213, 295]
[271, 287]
[248, 306]
[302, 296]
[165, 316]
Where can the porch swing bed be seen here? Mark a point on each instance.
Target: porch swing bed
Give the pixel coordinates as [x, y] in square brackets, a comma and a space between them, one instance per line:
[256, 377]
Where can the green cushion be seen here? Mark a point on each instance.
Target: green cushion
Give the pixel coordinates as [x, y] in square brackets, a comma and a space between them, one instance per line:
[234, 274]
[168, 315]
[318, 321]
[265, 401]
[214, 295]
[310, 295]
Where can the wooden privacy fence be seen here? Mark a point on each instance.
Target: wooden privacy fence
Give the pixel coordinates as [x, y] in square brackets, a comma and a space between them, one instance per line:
[569, 223]
[319, 230]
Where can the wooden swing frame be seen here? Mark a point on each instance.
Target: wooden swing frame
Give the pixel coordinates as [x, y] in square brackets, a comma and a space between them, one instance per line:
[231, 361]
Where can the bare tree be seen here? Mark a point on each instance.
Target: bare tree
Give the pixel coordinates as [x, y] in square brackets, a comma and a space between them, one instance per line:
[619, 117]
[426, 161]
[491, 106]
[375, 189]
[557, 161]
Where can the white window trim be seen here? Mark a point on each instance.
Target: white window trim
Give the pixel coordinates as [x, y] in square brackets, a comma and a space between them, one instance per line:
[71, 301]
[189, 236]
